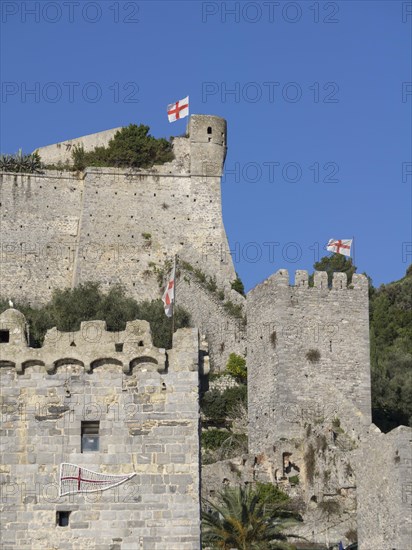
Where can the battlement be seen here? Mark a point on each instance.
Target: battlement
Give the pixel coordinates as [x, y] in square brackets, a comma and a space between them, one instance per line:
[320, 281]
[90, 347]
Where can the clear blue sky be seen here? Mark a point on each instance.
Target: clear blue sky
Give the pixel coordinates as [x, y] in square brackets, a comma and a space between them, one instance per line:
[319, 129]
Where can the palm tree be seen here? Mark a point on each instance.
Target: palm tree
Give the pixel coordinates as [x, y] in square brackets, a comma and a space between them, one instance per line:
[246, 520]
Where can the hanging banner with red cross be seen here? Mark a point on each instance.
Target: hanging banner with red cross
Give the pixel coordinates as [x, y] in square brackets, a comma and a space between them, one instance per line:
[169, 293]
[342, 246]
[178, 110]
[74, 479]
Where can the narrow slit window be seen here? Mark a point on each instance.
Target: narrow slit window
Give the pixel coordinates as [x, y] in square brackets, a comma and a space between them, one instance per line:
[62, 518]
[90, 437]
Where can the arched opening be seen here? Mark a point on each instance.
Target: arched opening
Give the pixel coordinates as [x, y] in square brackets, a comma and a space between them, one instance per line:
[67, 361]
[143, 360]
[105, 361]
[209, 129]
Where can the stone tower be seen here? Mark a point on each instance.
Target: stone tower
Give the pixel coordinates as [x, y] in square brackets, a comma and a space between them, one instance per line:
[104, 402]
[308, 356]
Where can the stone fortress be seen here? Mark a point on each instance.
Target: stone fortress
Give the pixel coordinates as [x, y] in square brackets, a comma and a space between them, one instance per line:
[307, 351]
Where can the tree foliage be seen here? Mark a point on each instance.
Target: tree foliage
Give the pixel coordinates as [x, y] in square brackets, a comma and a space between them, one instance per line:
[246, 519]
[391, 353]
[68, 308]
[131, 147]
[337, 263]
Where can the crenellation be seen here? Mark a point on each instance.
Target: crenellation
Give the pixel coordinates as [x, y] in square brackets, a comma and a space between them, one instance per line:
[320, 280]
[339, 281]
[301, 278]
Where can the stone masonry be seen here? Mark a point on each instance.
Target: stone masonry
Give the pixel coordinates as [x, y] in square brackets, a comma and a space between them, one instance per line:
[307, 349]
[61, 228]
[308, 355]
[145, 401]
[384, 490]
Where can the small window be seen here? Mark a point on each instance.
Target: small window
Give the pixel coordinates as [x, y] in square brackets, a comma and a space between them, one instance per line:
[90, 437]
[4, 336]
[118, 347]
[209, 129]
[62, 518]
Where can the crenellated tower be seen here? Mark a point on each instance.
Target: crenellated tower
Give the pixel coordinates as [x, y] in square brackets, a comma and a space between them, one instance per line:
[308, 356]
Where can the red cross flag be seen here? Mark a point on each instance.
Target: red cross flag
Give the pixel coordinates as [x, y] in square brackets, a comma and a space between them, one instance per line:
[178, 110]
[339, 247]
[169, 294]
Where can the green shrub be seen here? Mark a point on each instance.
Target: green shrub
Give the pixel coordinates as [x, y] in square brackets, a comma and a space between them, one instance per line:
[68, 308]
[211, 284]
[213, 439]
[217, 405]
[270, 493]
[294, 480]
[131, 147]
[186, 265]
[313, 355]
[235, 310]
[238, 285]
[236, 367]
[199, 275]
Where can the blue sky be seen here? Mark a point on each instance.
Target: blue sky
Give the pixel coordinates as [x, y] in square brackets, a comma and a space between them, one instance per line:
[319, 121]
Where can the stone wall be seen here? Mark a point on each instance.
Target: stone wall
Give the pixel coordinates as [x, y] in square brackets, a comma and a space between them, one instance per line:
[384, 486]
[146, 402]
[225, 333]
[308, 353]
[60, 229]
[62, 152]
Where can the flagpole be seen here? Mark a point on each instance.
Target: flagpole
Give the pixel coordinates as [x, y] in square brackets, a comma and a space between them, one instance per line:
[174, 299]
[353, 249]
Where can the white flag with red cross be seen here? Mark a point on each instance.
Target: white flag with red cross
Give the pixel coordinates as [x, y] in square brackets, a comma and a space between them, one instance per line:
[178, 110]
[342, 246]
[169, 294]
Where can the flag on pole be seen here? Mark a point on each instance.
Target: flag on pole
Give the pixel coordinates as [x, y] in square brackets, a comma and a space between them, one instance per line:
[340, 247]
[179, 109]
[169, 294]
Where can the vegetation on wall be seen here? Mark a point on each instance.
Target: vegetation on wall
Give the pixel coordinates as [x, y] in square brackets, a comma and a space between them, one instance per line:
[131, 147]
[218, 406]
[238, 285]
[21, 163]
[236, 367]
[68, 308]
